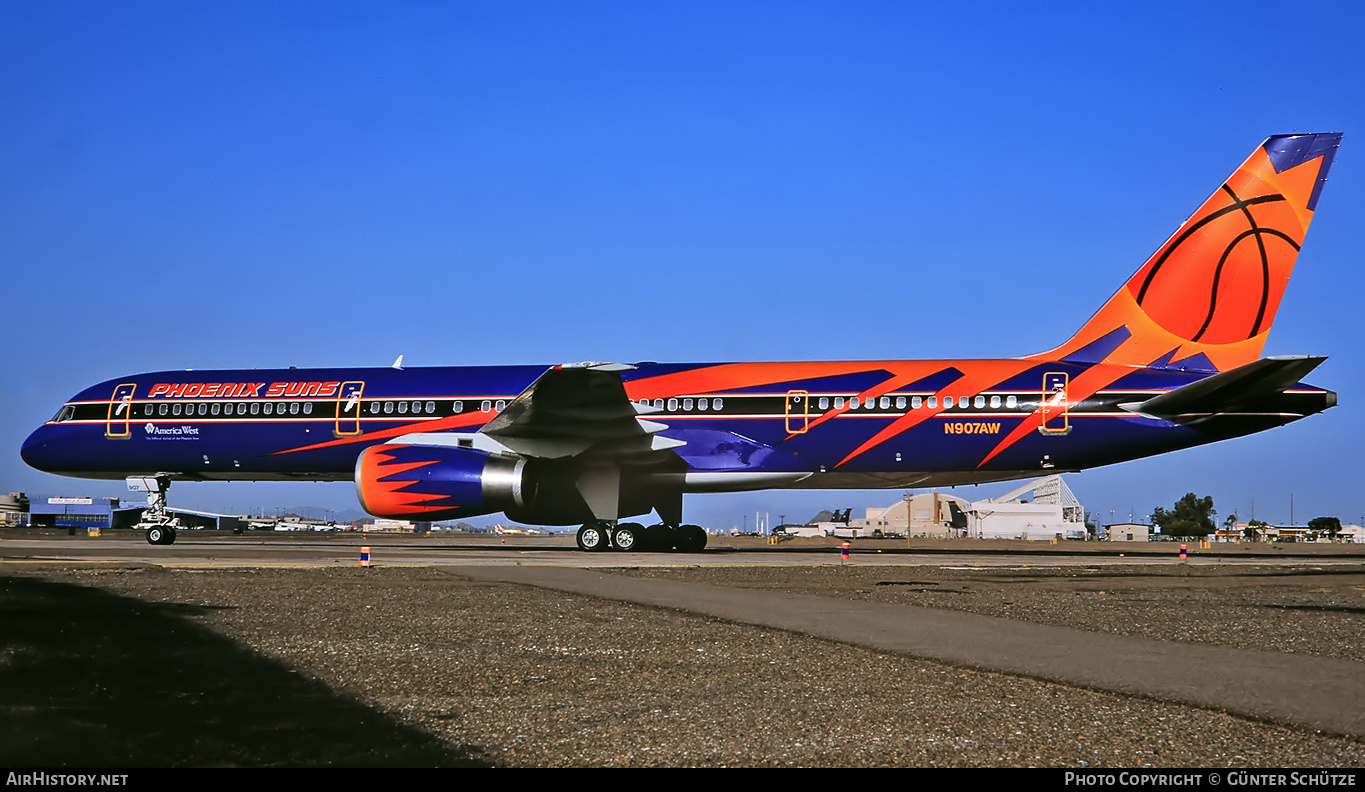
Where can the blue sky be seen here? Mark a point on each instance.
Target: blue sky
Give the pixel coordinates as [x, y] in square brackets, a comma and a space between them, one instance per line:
[237, 185]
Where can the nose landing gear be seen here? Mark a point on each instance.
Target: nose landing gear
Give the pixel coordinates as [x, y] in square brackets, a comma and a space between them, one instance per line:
[160, 528]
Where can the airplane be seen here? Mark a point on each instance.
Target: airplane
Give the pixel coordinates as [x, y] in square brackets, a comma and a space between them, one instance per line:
[501, 531]
[1172, 360]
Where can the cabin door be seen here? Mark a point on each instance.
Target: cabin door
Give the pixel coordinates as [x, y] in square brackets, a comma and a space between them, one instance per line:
[120, 410]
[1056, 420]
[348, 409]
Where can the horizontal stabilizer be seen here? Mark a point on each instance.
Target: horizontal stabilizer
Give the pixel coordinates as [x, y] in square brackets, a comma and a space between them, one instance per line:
[1235, 390]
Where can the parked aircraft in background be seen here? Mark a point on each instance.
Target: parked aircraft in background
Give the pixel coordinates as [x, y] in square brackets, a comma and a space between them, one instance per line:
[501, 531]
[1171, 361]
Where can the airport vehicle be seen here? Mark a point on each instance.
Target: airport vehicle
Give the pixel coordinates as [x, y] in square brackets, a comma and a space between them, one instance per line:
[1171, 361]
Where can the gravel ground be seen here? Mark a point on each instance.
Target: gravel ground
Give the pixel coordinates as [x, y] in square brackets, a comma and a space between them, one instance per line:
[523, 677]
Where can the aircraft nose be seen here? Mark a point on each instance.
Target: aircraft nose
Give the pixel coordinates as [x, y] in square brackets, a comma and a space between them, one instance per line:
[37, 450]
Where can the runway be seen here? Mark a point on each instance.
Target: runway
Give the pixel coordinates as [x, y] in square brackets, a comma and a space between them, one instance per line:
[211, 549]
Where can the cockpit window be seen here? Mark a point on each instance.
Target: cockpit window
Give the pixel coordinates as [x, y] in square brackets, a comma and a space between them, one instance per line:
[65, 413]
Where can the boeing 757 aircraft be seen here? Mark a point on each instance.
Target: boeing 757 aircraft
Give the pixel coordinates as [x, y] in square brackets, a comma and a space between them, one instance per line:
[1170, 361]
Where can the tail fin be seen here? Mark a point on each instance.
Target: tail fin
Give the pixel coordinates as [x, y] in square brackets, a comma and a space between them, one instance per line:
[1207, 297]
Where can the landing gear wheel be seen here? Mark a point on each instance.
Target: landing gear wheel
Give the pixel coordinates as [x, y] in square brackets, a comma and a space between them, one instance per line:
[592, 537]
[653, 538]
[628, 537]
[691, 539]
[161, 534]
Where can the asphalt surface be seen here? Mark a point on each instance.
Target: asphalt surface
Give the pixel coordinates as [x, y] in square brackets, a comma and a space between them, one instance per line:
[1039, 662]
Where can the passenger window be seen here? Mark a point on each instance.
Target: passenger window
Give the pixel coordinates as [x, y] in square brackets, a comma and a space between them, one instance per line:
[659, 403]
[979, 401]
[718, 404]
[853, 402]
[431, 408]
[701, 404]
[217, 408]
[388, 408]
[307, 408]
[459, 406]
[241, 408]
[916, 402]
[1011, 402]
[824, 402]
[947, 402]
[900, 402]
[149, 410]
[269, 408]
[672, 405]
[175, 408]
[838, 402]
[933, 402]
[501, 404]
[402, 408]
[293, 408]
[486, 406]
[255, 408]
[687, 405]
[995, 402]
[161, 410]
[885, 402]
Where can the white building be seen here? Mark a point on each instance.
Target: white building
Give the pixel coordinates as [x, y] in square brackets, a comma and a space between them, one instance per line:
[1054, 513]
[931, 515]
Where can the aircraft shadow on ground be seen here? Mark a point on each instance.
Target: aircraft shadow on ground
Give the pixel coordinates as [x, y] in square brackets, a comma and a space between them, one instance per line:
[94, 679]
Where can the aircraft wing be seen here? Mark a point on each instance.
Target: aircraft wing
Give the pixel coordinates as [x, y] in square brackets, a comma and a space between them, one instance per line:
[578, 409]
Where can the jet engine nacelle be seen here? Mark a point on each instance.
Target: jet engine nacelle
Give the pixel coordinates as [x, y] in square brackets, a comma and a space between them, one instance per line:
[430, 483]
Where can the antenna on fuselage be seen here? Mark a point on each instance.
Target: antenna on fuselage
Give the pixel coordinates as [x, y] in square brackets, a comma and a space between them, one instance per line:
[398, 364]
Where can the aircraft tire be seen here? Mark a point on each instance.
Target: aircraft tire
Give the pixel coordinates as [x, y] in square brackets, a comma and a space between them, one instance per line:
[691, 539]
[154, 535]
[657, 539]
[628, 537]
[169, 537]
[592, 538]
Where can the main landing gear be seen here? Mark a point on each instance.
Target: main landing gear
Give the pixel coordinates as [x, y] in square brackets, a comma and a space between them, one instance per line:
[627, 537]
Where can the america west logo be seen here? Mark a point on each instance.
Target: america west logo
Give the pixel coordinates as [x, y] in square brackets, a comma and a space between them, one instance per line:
[182, 430]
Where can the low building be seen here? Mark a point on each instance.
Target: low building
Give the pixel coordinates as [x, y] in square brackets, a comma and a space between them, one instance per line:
[381, 525]
[1128, 532]
[14, 508]
[924, 515]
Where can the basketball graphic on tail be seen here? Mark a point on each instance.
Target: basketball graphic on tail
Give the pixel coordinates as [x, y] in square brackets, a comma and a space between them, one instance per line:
[1208, 296]
[1220, 279]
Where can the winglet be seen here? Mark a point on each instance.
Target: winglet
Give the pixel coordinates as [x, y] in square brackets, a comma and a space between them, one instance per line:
[1207, 298]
